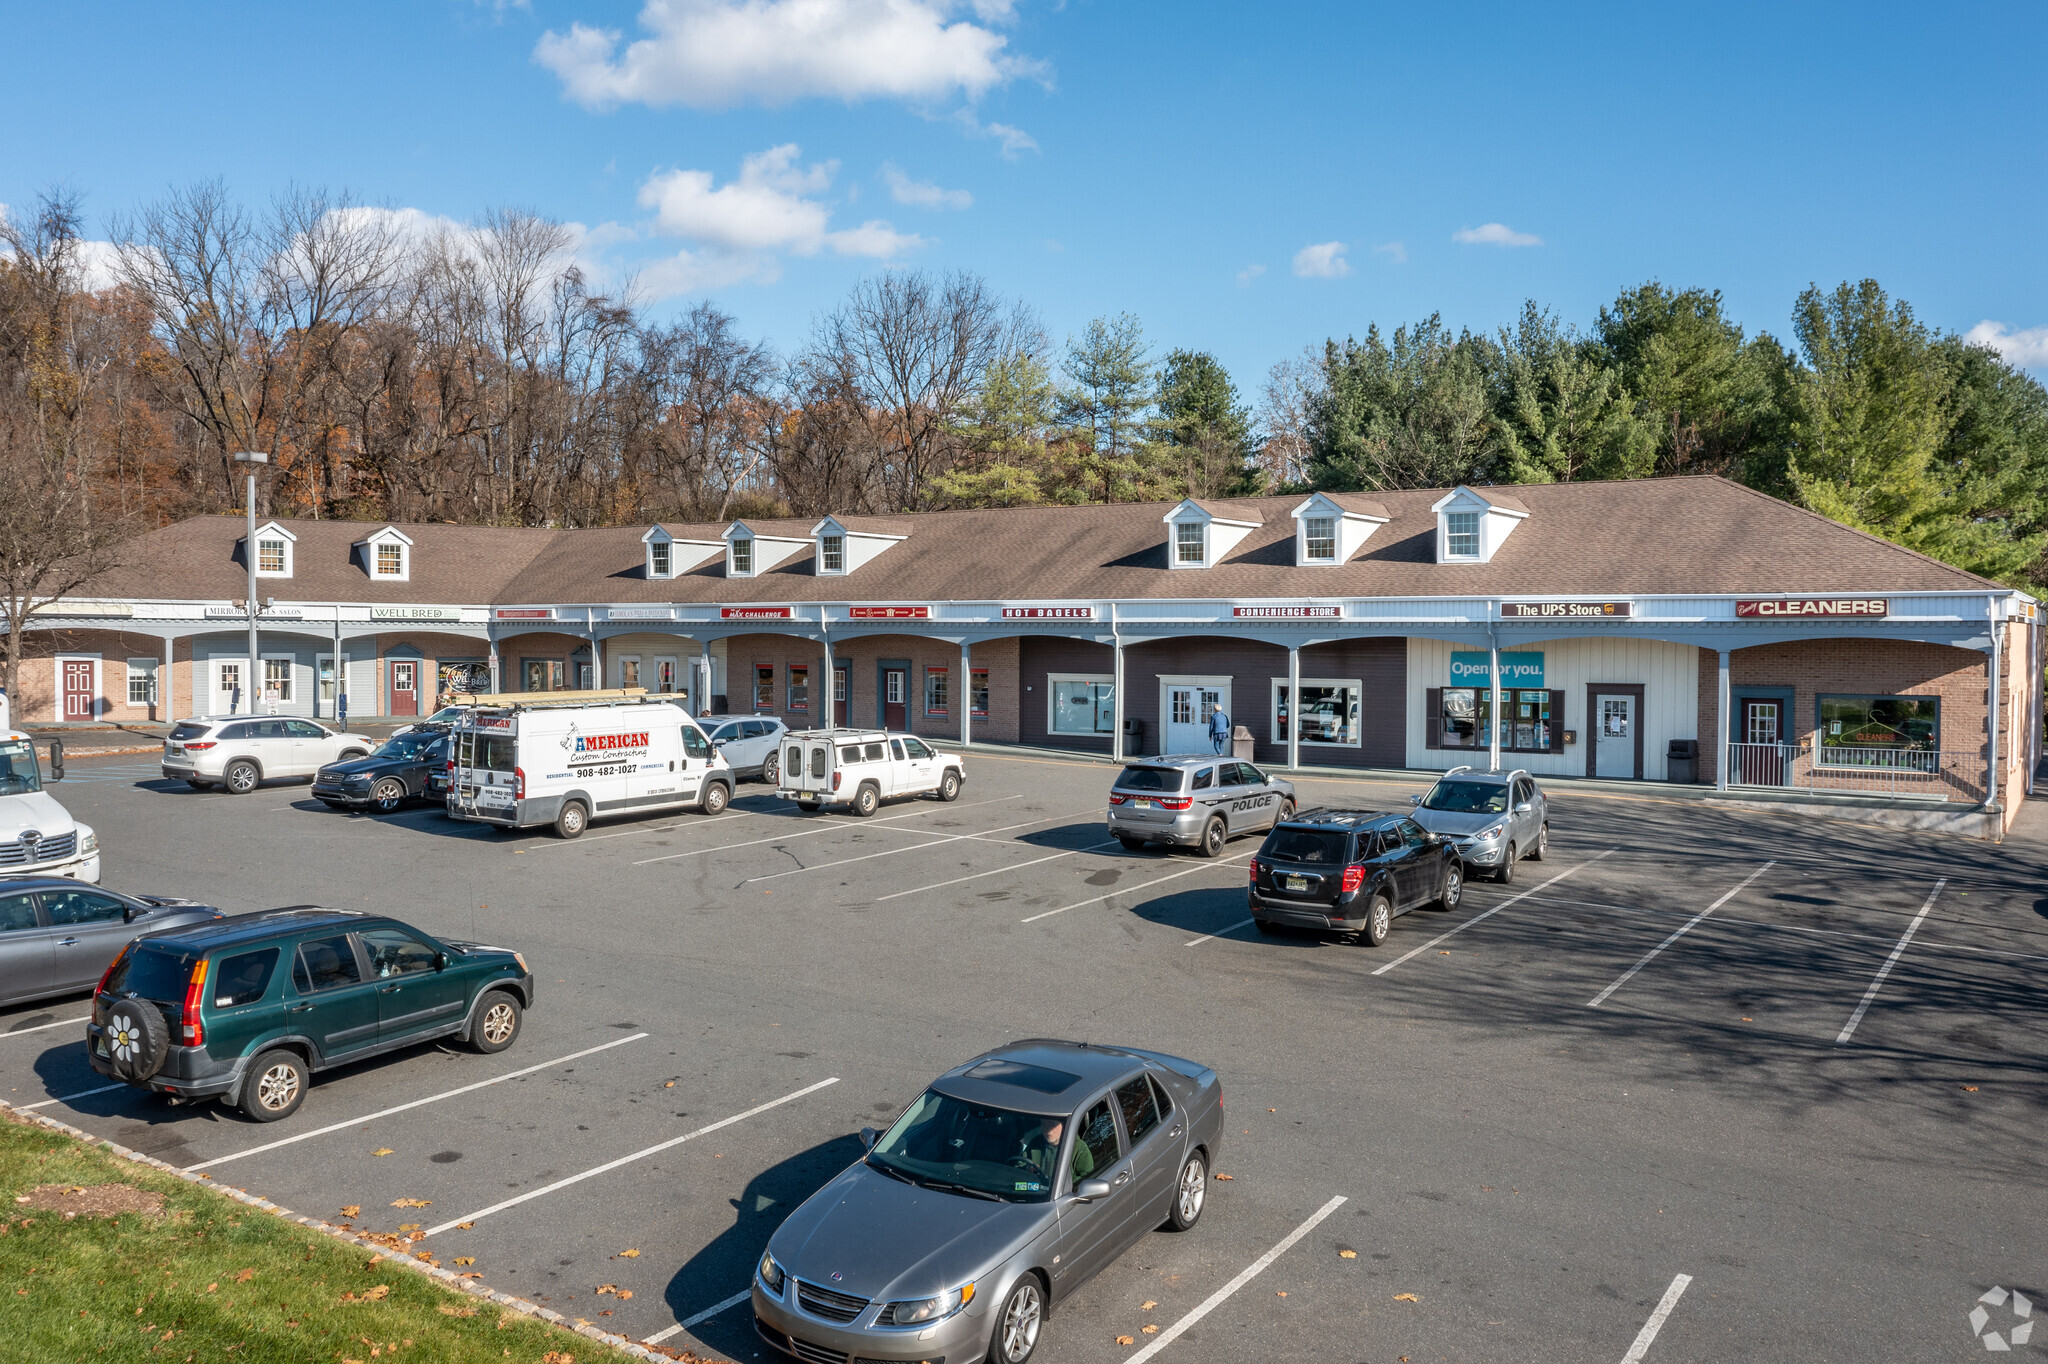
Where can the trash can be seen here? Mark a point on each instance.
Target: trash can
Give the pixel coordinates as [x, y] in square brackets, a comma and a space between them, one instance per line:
[1682, 761]
[1134, 736]
[1241, 743]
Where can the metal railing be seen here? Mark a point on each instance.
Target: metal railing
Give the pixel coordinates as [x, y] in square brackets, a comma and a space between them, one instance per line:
[1937, 774]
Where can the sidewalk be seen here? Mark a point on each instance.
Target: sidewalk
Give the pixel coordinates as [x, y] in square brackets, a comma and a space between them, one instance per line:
[109, 740]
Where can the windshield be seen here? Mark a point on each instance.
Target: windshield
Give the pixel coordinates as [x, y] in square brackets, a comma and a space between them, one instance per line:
[1467, 797]
[159, 973]
[19, 774]
[409, 746]
[1149, 779]
[947, 1143]
[1320, 846]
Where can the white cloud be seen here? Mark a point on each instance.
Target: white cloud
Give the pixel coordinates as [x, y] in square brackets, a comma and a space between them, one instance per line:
[1393, 251]
[1250, 273]
[715, 53]
[1014, 142]
[1495, 234]
[2025, 347]
[923, 193]
[1324, 260]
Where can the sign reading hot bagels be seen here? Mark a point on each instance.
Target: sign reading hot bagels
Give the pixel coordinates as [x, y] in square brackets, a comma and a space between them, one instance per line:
[1773, 608]
[1048, 613]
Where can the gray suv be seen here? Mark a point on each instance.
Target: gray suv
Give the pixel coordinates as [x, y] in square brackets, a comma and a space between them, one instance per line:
[1493, 819]
[1198, 802]
[750, 746]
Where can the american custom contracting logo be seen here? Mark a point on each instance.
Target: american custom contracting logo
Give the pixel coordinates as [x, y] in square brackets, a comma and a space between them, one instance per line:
[2022, 1312]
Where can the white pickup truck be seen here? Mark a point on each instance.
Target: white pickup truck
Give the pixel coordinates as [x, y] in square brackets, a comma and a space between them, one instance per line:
[861, 768]
[38, 837]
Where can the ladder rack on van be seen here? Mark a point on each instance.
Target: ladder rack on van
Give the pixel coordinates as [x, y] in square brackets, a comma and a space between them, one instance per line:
[549, 700]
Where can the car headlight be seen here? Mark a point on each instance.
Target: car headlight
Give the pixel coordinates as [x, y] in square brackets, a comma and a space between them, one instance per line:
[771, 1274]
[90, 843]
[1488, 835]
[921, 1310]
[520, 957]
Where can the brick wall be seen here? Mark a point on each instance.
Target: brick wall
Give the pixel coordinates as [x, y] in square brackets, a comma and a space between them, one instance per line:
[861, 657]
[39, 701]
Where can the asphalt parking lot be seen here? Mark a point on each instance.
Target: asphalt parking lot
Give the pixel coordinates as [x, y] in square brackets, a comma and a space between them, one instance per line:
[1704, 1084]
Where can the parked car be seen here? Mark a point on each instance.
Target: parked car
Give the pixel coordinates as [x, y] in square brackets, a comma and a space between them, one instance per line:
[57, 936]
[861, 768]
[38, 836]
[998, 1192]
[443, 719]
[246, 1009]
[241, 752]
[401, 769]
[1197, 801]
[1351, 871]
[1494, 819]
[752, 745]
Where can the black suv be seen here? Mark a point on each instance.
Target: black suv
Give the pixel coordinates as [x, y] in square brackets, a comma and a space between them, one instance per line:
[401, 769]
[244, 1009]
[1351, 871]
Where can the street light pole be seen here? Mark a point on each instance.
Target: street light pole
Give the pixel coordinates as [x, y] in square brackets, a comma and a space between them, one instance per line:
[251, 458]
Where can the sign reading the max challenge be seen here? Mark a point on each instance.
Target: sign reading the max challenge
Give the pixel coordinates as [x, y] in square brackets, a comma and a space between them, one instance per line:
[1521, 669]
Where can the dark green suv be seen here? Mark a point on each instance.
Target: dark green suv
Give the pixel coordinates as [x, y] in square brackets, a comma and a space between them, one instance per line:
[244, 1009]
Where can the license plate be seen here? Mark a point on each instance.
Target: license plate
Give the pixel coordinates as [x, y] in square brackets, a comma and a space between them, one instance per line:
[1143, 804]
[1297, 883]
[468, 791]
[177, 750]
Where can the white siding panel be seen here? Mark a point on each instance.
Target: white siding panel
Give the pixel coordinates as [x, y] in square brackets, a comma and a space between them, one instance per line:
[1668, 674]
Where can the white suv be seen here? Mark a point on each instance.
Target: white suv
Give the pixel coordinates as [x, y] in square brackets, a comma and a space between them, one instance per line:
[239, 751]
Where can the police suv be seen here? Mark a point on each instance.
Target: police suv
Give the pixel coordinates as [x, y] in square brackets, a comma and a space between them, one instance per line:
[1199, 801]
[566, 758]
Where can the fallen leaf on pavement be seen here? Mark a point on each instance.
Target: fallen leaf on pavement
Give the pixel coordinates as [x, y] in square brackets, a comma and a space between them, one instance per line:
[412, 1202]
[1147, 1305]
[1406, 1297]
[1127, 1340]
[1348, 1254]
[408, 1226]
[1224, 1176]
[464, 1226]
[670, 1085]
[628, 1254]
[625, 1293]
[465, 1259]
[1280, 1292]
[381, 1151]
[352, 1210]
[1151, 1330]
[605, 1288]
[1969, 1089]
[1272, 1110]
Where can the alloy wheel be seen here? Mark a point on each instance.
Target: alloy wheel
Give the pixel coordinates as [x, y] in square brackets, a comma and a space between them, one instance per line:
[1021, 1319]
[1194, 1187]
[390, 795]
[277, 1087]
[1454, 886]
[498, 1023]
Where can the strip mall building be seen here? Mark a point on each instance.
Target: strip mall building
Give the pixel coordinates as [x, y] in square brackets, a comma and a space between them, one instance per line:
[1600, 621]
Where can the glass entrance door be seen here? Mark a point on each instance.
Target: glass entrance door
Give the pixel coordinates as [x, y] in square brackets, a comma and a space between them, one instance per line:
[1761, 759]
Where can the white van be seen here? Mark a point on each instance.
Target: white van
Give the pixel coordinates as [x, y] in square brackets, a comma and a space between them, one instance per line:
[38, 837]
[566, 758]
[861, 768]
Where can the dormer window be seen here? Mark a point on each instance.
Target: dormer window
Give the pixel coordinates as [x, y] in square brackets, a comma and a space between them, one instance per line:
[660, 559]
[1319, 539]
[273, 551]
[832, 554]
[842, 545]
[1200, 534]
[1188, 542]
[1461, 535]
[390, 560]
[387, 555]
[1331, 527]
[742, 556]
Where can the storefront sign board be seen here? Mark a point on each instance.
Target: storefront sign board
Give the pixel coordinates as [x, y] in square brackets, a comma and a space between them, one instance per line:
[415, 613]
[1780, 607]
[753, 612]
[1522, 668]
[639, 613]
[1566, 610]
[888, 613]
[526, 613]
[1048, 613]
[1287, 612]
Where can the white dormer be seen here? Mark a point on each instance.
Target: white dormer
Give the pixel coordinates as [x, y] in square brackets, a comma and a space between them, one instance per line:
[273, 550]
[1330, 529]
[668, 556]
[1471, 526]
[748, 552]
[387, 555]
[842, 548]
[1198, 536]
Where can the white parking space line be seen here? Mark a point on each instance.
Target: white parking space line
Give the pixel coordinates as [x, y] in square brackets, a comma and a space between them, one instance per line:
[1211, 937]
[65, 1098]
[999, 871]
[1597, 1000]
[936, 840]
[1648, 1335]
[834, 827]
[1217, 1299]
[1413, 953]
[416, 1103]
[707, 1314]
[1877, 982]
[652, 829]
[1142, 885]
[62, 1022]
[610, 1165]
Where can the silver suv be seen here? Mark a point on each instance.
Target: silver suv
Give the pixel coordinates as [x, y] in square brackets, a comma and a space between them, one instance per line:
[239, 751]
[1199, 801]
[1493, 819]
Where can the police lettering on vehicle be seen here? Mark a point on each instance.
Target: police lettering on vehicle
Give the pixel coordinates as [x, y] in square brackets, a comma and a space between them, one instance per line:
[1253, 802]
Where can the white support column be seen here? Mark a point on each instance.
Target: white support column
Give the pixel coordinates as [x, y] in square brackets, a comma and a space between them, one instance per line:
[1116, 737]
[964, 693]
[829, 711]
[1293, 707]
[596, 656]
[704, 681]
[1992, 711]
[1722, 725]
[1493, 726]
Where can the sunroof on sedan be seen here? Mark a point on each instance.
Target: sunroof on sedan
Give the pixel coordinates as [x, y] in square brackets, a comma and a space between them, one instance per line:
[1041, 1078]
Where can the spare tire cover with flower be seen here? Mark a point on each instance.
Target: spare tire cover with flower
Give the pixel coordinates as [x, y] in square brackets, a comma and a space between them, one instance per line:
[137, 1039]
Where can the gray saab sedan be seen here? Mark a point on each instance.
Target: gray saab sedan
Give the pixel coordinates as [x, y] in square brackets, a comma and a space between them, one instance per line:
[998, 1192]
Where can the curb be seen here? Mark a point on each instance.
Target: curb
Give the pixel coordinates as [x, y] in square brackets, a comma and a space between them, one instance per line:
[448, 1277]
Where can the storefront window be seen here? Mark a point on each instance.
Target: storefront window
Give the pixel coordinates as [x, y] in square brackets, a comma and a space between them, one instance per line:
[977, 686]
[543, 674]
[799, 687]
[1468, 716]
[935, 691]
[1877, 731]
[277, 679]
[1329, 711]
[1083, 705]
[764, 686]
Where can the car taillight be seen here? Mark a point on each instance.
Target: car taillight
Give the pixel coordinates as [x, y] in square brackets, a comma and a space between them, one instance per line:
[1175, 802]
[1253, 867]
[1117, 800]
[835, 780]
[193, 1031]
[194, 748]
[1354, 877]
[519, 783]
[107, 974]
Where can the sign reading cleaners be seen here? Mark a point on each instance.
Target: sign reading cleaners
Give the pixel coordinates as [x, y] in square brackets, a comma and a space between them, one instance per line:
[1779, 607]
[1521, 669]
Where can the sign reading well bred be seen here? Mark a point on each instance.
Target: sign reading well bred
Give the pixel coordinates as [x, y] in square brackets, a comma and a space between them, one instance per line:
[1566, 610]
[1780, 607]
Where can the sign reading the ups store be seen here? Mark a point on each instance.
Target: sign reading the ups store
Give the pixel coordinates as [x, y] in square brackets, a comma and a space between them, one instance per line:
[1523, 668]
[1566, 610]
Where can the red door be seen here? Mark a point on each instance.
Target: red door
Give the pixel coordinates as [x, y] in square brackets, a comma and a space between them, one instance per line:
[79, 700]
[405, 687]
[895, 688]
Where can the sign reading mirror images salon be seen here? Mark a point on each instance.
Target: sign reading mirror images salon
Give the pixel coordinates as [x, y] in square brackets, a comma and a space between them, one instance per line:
[1523, 668]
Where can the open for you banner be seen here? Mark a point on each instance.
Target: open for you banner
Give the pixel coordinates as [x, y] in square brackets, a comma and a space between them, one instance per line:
[1521, 669]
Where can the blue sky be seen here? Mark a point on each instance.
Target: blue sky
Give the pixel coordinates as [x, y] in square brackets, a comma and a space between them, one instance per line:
[1245, 178]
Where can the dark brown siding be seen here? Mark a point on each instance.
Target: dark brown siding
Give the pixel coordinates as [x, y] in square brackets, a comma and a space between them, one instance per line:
[1039, 656]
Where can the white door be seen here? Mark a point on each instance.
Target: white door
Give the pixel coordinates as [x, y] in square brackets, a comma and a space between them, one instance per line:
[227, 685]
[1184, 726]
[1614, 744]
[922, 771]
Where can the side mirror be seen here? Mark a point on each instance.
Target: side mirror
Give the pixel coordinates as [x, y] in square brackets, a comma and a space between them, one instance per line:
[440, 961]
[1524, 808]
[868, 1137]
[56, 760]
[129, 914]
[1415, 800]
[1088, 1190]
